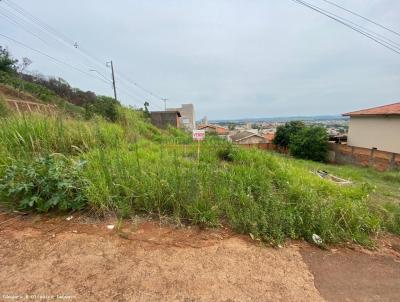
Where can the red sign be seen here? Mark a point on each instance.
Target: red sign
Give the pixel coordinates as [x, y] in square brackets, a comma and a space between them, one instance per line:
[199, 135]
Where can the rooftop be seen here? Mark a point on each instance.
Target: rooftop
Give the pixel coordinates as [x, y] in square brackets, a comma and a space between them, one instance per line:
[391, 109]
[242, 135]
[211, 126]
[167, 112]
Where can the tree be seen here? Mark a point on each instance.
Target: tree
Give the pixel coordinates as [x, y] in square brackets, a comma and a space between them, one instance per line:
[146, 109]
[285, 132]
[310, 142]
[107, 107]
[7, 63]
[25, 63]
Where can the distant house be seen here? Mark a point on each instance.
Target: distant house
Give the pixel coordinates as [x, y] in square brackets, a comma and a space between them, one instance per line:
[269, 136]
[163, 119]
[187, 118]
[377, 127]
[247, 137]
[214, 129]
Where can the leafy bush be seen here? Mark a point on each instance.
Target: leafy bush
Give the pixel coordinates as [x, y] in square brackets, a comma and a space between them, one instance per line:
[7, 63]
[226, 153]
[285, 132]
[306, 142]
[310, 143]
[104, 106]
[51, 182]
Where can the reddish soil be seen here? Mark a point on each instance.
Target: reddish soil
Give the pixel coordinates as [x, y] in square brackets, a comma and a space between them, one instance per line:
[357, 275]
[48, 259]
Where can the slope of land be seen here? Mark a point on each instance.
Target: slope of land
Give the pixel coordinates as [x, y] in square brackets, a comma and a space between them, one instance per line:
[129, 166]
[113, 160]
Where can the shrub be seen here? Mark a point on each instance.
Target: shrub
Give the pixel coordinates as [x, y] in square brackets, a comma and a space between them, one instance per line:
[7, 63]
[285, 132]
[226, 153]
[105, 106]
[310, 143]
[51, 182]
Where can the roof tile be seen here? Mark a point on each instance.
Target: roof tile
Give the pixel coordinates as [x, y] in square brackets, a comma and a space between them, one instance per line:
[391, 109]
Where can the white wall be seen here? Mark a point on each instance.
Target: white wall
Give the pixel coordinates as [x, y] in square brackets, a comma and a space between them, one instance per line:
[378, 132]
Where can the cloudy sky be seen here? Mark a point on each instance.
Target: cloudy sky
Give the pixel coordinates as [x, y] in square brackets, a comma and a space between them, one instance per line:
[230, 58]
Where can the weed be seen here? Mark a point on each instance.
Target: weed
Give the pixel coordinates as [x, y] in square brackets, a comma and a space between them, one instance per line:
[134, 168]
[51, 182]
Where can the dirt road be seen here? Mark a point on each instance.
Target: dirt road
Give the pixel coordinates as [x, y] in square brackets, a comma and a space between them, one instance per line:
[80, 260]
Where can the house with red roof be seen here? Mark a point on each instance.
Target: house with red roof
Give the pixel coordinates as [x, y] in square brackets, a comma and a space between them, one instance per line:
[377, 127]
[214, 129]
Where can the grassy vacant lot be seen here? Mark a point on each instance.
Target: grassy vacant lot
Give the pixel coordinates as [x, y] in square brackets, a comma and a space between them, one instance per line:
[130, 167]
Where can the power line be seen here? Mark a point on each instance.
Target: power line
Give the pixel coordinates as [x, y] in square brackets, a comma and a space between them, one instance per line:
[362, 17]
[70, 42]
[366, 30]
[64, 63]
[52, 58]
[329, 15]
[12, 15]
[37, 21]
[10, 19]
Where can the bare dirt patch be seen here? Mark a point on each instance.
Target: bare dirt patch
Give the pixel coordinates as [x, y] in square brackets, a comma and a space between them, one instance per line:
[145, 262]
[343, 274]
[83, 260]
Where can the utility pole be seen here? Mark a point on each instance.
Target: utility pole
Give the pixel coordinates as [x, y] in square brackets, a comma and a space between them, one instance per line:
[113, 78]
[165, 104]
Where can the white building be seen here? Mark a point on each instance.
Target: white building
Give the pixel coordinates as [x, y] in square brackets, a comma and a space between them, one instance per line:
[377, 127]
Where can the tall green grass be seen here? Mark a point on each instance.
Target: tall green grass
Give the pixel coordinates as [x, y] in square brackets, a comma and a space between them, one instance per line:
[33, 134]
[132, 167]
[260, 193]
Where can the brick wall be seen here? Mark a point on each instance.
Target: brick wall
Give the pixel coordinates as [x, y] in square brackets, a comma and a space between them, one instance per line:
[162, 119]
[343, 154]
[265, 146]
[380, 160]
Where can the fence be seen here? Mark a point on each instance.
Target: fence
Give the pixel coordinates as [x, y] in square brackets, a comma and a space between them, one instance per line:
[380, 160]
[343, 154]
[27, 106]
[265, 146]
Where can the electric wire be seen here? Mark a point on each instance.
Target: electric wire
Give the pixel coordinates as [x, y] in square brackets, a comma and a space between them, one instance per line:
[362, 17]
[70, 42]
[366, 34]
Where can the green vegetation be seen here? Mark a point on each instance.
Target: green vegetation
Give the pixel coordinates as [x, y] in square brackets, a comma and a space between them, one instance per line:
[309, 143]
[4, 110]
[305, 142]
[130, 167]
[21, 89]
[52, 90]
[104, 157]
[51, 182]
[7, 63]
[285, 132]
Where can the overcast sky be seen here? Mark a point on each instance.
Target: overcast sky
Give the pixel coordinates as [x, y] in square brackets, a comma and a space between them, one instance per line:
[231, 59]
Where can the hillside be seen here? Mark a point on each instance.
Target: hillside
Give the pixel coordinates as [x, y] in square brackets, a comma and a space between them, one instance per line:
[13, 87]
[129, 167]
[106, 158]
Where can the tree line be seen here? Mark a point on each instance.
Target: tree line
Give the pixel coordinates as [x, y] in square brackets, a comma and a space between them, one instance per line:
[303, 141]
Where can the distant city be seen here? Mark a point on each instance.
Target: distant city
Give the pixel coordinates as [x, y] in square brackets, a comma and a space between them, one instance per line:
[281, 119]
[335, 124]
